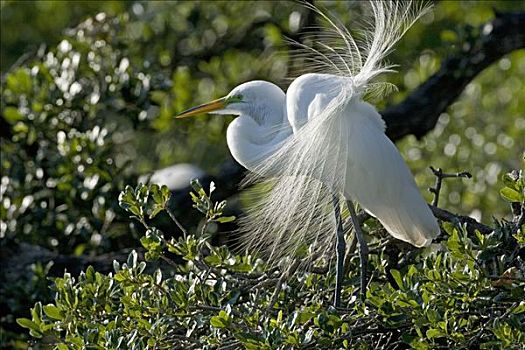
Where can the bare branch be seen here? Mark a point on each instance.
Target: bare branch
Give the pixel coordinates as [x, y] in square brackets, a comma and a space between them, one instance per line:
[472, 224]
[439, 179]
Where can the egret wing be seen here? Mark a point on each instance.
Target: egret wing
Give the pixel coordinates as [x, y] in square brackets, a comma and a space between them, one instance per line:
[380, 181]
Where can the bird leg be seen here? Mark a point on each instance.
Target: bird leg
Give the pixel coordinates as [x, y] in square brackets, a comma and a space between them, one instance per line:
[340, 248]
[363, 247]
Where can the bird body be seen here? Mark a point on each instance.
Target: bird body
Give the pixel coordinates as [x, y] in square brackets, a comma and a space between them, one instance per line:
[376, 175]
[381, 183]
[320, 143]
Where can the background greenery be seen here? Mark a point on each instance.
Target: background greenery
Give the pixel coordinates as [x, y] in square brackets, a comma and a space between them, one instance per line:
[88, 101]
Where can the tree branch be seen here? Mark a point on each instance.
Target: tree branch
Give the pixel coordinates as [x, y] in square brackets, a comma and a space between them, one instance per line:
[471, 223]
[419, 112]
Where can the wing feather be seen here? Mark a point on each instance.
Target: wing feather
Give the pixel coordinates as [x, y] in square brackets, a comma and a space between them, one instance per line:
[380, 181]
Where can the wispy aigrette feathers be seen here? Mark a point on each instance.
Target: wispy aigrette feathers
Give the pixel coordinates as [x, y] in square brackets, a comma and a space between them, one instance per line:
[334, 132]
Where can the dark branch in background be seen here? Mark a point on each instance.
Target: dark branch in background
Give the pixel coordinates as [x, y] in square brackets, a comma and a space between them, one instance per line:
[471, 224]
[419, 112]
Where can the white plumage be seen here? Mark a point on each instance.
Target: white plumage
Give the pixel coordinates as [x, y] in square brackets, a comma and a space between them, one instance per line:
[321, 141]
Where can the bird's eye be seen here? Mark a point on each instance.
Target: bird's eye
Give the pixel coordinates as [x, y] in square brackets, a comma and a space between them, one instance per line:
[234, 99]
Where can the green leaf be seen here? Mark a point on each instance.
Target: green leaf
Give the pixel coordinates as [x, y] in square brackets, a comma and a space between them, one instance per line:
[225, 219]
[511, 195]
[196, 185]
[213, 260]
[158, 97]
[132, 258]
[166, 193]
[153, 240]
[90, 275]
[19, 81]
[152, 255]
[397, 277]
[36, 313]
[116, 266]
[12, 115]
[155, 211]
[27, 323]
[433, 316]
[127, 201]
[218, 322]
[121, 276]
[509, 181]
[449, 227]
[53, 312]
[434, 333]
[519, 309]
[157, 275]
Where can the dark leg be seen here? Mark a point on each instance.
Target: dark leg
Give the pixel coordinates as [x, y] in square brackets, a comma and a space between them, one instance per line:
[341, 246]
[363, 247]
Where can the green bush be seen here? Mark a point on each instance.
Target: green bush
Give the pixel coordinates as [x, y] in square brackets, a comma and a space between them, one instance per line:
[467, 291]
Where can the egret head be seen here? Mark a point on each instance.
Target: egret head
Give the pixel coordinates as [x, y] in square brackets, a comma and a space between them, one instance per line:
[246, 98]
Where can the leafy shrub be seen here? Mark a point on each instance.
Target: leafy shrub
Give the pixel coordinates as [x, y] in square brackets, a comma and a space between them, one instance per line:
[59, 166]
[466, 291]
[63, 114]
[78, 118]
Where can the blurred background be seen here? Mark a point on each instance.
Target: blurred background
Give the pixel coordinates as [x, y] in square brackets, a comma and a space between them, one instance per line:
[89, 91]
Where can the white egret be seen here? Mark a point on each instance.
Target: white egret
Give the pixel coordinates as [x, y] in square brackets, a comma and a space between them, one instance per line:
[320, 143]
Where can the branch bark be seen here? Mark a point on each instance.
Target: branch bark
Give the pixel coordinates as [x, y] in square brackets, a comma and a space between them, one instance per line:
[419, 112]
[472, 224]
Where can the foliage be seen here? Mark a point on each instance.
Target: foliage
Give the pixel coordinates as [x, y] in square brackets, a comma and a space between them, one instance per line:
[462, 292]
[63, 114]
[48, 21]
[59, 165]
[80, 111]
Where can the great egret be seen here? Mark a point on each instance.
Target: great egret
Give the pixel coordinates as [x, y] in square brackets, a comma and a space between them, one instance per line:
[320, 143]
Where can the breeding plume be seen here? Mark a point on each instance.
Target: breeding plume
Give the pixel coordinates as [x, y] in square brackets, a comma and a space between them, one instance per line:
[321, 144]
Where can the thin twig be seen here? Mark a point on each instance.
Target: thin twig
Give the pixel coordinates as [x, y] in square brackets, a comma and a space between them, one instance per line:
[265, 283]
[179, 225]
[169, 261]
[506, 278]
[233, 345]
[521, 219]
[212, 308]
[319, 270]
[19, 62]
[440, 175]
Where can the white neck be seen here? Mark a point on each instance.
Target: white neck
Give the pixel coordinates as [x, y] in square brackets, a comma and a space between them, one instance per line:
[259, 130]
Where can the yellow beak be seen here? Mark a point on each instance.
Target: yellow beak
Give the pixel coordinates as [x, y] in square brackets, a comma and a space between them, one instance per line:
[205, 108]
